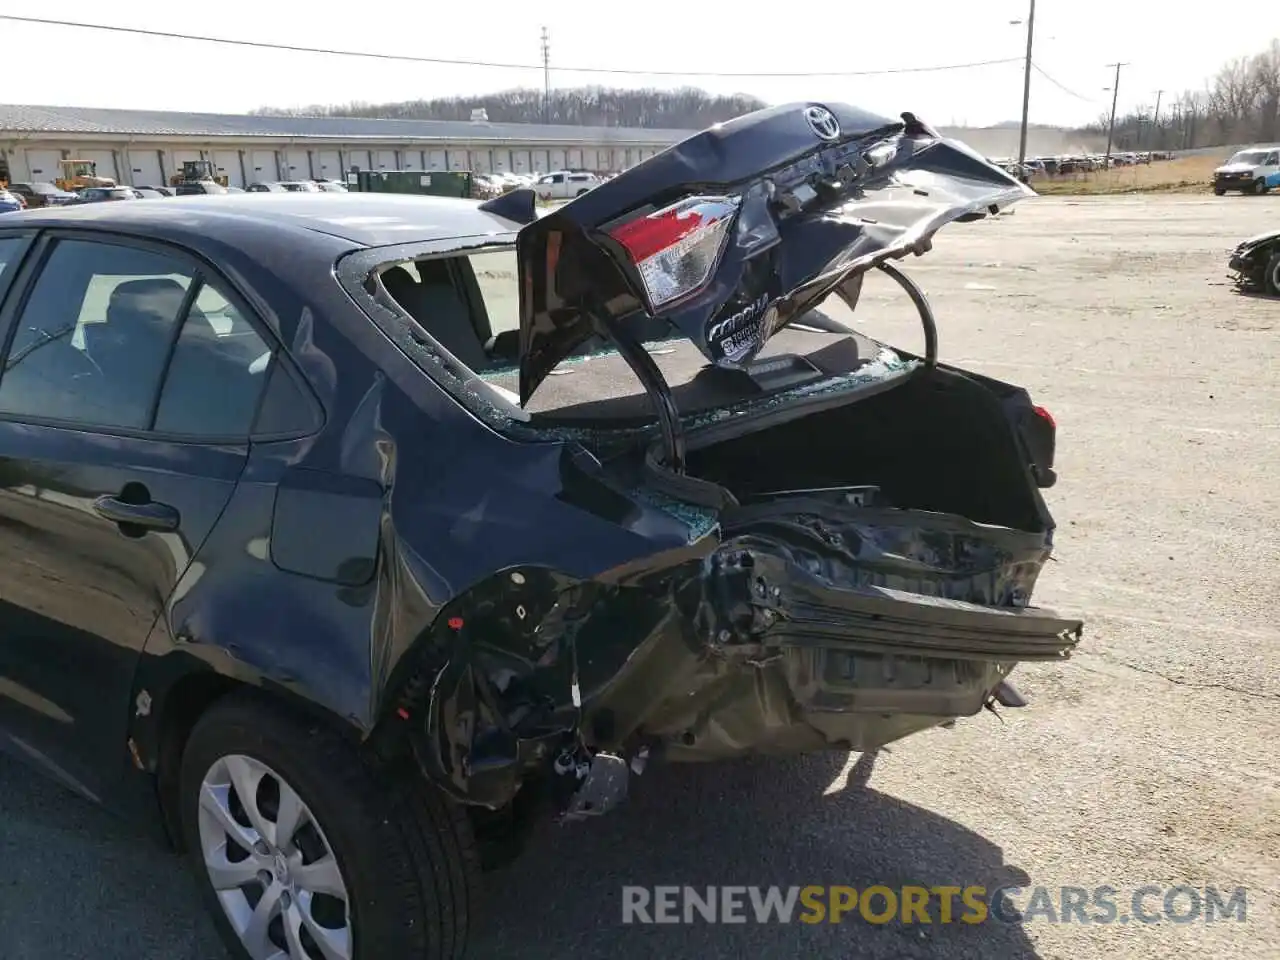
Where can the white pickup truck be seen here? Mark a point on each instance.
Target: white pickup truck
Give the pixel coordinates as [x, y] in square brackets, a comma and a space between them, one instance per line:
[1255, 170]
[565, 184]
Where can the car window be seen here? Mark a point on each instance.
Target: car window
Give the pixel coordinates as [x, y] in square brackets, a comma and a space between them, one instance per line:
[558, 178]
[10, 248]
[217, 373]
[1273, 158]
[496, 277]
[90, 344]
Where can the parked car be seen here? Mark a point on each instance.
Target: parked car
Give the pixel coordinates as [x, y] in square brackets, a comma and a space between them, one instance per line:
[198, 188]
[11, 202]
[104, 194]
[1255, 170]
[265, 187]
[331, 186]
[300, 186]
[312, 559]
[37, 194]
[163, 191]
[147, 193]
[485, 186]
[1255, 263]
[565, 184]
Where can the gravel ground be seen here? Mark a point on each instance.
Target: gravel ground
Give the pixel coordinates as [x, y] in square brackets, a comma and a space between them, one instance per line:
[1149, 758]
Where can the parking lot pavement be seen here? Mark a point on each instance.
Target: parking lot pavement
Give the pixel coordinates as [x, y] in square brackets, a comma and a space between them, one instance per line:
[1149, 758]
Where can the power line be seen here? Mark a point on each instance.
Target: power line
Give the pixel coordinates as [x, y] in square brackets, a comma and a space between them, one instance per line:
[1065, 89]
[406, 58]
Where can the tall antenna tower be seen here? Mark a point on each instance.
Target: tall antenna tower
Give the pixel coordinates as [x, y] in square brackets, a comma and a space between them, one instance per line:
[546, 76]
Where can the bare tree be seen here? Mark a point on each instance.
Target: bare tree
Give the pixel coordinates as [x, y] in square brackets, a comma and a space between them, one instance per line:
[683, 109]
[1266, 74]
[1238, 104]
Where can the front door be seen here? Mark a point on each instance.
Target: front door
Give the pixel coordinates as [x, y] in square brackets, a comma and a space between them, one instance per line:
[106, 488]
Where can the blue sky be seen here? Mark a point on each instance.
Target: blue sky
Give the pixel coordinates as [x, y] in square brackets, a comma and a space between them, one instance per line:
[1075, 40]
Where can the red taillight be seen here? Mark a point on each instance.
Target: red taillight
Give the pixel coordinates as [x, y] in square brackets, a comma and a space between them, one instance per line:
[1046, 416]
[650, 235]
[675, 250]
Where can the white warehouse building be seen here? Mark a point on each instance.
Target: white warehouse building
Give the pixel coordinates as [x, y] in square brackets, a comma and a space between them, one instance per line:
[145, 147]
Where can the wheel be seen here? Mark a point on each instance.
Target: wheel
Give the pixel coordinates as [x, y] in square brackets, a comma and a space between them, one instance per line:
[305, 852]
[1259, 187]
[1271, 279]
[1218, 191]
[580, 193]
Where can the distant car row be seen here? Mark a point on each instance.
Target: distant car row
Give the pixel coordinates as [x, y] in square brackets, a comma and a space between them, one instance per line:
[557, 185]
[21, 196]
[1064, 164]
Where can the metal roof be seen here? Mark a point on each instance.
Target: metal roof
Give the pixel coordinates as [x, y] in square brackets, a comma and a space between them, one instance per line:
[16, 118]
[367, 219]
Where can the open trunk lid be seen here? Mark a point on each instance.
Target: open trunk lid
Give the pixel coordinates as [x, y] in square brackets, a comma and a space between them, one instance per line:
[733, 233]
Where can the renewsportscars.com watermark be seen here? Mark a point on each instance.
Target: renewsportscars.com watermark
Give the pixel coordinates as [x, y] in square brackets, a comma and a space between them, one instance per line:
[939, 904]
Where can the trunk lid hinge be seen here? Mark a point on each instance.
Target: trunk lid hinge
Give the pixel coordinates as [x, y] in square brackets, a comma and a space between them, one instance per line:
[655, 385]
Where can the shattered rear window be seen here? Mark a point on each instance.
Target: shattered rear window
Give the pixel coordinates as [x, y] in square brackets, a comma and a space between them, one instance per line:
[469, 303]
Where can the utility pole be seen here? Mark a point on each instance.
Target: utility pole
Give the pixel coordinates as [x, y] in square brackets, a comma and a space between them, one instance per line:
[1156, 139]
[1026, 88]
[546, 76]
[1111, 128]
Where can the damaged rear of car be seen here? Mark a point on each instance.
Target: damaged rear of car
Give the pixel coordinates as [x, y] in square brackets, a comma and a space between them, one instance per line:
[1254, 264]
[860, 527]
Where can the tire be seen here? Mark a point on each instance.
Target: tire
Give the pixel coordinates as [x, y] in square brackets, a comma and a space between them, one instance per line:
[401, 853]
[1271, 278]
[1218, 191]
[580, 193]
[1259, 187]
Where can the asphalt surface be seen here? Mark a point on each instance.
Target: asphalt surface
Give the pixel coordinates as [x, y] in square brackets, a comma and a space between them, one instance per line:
[1149, 758]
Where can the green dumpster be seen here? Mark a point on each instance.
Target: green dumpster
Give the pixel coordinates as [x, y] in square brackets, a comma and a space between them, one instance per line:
[434, 183]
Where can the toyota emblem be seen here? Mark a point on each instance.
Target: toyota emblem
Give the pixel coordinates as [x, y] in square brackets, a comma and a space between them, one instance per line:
[822, 122]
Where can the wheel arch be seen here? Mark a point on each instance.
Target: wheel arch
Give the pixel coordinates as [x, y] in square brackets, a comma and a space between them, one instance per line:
[170, 702]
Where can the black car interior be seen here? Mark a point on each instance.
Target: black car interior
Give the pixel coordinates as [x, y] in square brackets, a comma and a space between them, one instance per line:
[211, 378]
[447, 304]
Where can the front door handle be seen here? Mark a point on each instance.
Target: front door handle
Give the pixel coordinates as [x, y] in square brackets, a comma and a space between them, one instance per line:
[150, 515]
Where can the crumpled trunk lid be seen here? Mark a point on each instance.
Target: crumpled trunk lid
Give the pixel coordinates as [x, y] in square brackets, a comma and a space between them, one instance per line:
[801, 197]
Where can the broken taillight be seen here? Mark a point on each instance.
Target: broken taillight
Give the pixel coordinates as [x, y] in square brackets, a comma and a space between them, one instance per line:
[675, 250]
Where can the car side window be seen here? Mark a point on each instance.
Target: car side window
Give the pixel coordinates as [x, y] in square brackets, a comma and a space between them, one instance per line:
[217, 374]
[10, 248]
[1273, 159]
[558, 178]
[90, 344]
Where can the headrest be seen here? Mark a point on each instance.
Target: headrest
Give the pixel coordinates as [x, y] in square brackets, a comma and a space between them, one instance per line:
[396, 278]
[434, 273]
[159, 296]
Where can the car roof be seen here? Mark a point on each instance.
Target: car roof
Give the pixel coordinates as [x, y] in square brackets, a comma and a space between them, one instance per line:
[364, 219]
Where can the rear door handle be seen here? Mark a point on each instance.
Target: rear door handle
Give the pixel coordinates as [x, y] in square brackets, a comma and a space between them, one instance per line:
[150, 515]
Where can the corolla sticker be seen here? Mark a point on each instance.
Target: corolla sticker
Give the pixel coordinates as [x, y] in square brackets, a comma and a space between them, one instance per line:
[740, 332]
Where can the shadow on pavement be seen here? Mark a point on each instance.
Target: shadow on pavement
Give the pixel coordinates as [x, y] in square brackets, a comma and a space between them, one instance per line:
[757, 822]
[76, 882]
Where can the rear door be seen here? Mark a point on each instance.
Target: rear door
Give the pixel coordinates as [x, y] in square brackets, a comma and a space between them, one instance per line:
[126, 401]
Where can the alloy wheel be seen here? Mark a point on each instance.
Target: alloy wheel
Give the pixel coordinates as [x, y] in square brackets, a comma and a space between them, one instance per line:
[271, 866]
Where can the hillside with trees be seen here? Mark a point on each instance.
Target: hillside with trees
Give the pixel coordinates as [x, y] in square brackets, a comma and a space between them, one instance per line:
[687, 108]
[1239, 104]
